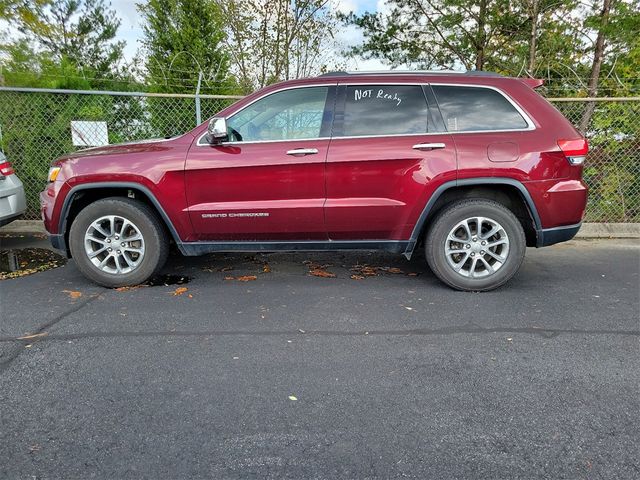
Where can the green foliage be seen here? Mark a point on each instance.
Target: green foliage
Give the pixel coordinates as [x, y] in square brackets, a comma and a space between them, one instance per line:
[80, 31]
[183, 38]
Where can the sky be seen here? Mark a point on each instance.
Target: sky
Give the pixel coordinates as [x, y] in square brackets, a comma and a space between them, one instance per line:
[131, 29]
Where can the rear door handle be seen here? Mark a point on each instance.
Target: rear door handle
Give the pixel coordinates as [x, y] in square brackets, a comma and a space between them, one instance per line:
[301, 152]
[428, 146]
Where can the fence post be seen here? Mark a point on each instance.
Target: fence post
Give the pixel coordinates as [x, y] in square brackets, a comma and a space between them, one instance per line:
[198, 113]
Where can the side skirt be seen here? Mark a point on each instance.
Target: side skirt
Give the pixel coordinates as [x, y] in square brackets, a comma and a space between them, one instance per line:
[201, 248]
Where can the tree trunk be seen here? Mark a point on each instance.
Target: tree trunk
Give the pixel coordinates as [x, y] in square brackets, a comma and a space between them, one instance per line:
[533, 36]
[480, 35]
[598, 58]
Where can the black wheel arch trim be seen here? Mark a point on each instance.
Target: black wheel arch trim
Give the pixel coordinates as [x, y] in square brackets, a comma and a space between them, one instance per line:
[419, 226]
[66, 206]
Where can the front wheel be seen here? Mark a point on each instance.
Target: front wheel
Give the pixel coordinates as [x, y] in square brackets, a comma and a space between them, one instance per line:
[118, 242]
[475, 245]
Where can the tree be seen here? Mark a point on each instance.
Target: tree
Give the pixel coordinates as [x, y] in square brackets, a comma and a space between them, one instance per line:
[183, 38]
[440, 33]
[278, 40]
[80, 32]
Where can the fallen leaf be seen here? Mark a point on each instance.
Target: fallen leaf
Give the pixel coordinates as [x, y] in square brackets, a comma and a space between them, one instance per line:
[301, 330]
[266, 268]
[229, 278]
[73, 293]
[126, 289]
[246, 278]
[408, 308]
[190, 296]
[226, 269]
[317, 272]
[369, 271]
[293, 398]
[394, 270]
[34, 335]
[357, 277]
[412, 274]
[179, 291]
[509, 339]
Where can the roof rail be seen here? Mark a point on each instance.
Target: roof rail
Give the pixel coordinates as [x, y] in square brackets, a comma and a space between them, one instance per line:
[479, 73]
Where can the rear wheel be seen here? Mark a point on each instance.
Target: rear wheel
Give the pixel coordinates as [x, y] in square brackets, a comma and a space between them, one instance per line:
[118, 242]
[475, 245]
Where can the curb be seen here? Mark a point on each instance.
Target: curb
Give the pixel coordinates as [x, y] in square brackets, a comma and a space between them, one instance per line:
[588, 230]
[24, 226]
[609, 230]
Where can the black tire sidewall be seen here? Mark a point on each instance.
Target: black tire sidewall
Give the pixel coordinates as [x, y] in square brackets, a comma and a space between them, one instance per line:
[143, 217]
[448, 218]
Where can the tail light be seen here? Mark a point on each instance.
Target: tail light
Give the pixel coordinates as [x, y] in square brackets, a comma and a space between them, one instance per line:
[574, 150]
[6, 169]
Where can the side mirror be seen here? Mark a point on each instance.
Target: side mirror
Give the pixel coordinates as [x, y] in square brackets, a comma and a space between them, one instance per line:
[217, 130]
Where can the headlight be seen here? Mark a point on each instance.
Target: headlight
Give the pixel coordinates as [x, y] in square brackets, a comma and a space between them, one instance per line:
[53, 173]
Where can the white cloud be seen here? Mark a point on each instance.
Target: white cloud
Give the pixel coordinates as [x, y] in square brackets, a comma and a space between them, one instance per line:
[382, 6]
[345, 6]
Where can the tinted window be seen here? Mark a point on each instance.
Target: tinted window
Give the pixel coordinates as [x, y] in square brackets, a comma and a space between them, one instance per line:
[384, 110]
[286, 115]
[471, 108]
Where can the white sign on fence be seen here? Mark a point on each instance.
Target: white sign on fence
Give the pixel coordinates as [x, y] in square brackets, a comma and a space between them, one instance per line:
[89, 134]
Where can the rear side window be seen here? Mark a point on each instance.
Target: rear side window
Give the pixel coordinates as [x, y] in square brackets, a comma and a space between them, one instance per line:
[467, 109]
[384, 110]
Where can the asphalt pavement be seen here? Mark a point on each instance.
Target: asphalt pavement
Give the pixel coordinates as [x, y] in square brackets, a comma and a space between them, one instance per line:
[298, 376]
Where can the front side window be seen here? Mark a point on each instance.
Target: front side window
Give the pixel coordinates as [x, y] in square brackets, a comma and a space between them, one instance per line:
[286, 115]
[372, 110]
[467, 109]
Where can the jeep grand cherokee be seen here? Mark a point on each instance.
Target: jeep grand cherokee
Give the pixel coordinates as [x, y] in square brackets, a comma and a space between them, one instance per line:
[472, 167]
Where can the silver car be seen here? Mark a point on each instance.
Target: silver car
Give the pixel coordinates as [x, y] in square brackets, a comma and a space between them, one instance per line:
[12, 200]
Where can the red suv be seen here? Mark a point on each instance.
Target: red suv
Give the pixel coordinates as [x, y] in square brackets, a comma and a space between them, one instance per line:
[472, 167]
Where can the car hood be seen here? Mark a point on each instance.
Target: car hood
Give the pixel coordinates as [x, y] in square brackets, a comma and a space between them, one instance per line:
[136, 146]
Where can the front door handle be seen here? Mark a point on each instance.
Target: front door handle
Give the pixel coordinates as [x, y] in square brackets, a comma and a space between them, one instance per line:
[301, 152]
[428, 146]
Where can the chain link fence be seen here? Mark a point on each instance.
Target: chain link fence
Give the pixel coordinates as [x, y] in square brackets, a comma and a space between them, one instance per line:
[39, 126]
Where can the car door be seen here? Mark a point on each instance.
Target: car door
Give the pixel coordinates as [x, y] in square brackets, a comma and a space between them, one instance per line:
[388, 153]
[267, 181]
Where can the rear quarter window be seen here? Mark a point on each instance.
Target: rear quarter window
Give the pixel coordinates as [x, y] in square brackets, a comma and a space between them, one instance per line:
[466, 109]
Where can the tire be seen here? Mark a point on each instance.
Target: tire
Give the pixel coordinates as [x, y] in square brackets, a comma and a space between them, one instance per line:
[496, 260]
[136, 249]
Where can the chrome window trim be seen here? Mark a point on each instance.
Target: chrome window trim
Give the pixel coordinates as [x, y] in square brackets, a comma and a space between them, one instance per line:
[292, 87]
[525, 116]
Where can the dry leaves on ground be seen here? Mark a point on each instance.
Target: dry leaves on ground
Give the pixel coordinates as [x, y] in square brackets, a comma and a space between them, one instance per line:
[179, 291]
[73, 293]
[126, 289]
[243, 278]
[246, 278]
[318, 270]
